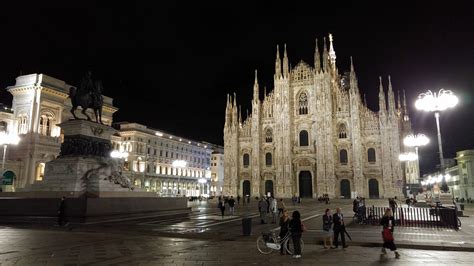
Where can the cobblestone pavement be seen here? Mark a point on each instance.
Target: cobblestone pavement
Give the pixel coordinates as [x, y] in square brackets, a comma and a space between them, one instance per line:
[205, 238]
[36, 247]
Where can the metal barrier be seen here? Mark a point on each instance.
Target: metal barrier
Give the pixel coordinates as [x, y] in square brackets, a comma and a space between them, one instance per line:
[433, 217]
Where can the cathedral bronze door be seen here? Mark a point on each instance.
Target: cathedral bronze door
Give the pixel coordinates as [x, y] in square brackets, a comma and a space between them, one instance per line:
[305, 184]
[246, 188]
[373, 188]
[269, 187]
[345, 188]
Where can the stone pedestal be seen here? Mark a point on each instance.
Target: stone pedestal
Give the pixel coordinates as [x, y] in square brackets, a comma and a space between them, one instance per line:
[84, 165]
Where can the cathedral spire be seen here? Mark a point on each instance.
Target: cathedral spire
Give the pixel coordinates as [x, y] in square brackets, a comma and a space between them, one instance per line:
[352, 66]
[391, 98]
[325, 56]
[317, 59]
[240, 115]
[277, 64]
[405, 110]
[399, 103]
[332, 53]
[255, 88]
[353, 80]
[382, 103]
[264, 92]
[285, 64]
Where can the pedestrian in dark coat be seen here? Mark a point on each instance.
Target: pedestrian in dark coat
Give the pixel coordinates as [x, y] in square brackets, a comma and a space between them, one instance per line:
[296, 232]
[62, 212]
[339, 228]
[284, 227]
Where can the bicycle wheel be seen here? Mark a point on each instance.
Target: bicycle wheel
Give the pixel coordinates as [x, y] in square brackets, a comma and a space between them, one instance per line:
[290, 247]
[262, 246]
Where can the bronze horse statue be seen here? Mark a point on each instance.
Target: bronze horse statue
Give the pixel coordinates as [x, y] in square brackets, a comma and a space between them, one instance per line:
[88, 99]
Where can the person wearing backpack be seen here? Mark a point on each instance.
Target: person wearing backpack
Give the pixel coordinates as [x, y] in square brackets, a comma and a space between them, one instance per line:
[327, 228]
[388, 223]
[296, 229]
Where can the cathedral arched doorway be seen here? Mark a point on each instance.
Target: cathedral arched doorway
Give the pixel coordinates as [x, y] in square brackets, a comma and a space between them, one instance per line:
[246, 188]
[373, 188]
[345, 188]
[268, 187]
[305, 184]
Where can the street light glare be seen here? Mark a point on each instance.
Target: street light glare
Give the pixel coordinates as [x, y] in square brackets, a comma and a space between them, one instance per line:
[416, 140]
[9, 139]
[435, 102]
[179, 163]
[410, 156]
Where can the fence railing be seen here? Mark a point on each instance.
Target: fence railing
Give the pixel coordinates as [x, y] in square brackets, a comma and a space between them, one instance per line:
[434, 217]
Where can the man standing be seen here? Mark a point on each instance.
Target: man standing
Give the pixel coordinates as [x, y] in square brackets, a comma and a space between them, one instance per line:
[273, 209]
[238, 199]
[339, 228]
[231, 203]
[62, 212]
[262, 208]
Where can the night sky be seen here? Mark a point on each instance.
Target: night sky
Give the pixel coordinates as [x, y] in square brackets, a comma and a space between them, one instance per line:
[170, 65]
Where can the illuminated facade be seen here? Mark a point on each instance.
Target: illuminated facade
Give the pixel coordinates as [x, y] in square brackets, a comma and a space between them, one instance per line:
[40, 103]
[217, 172]
[313, 135]
[162, 162]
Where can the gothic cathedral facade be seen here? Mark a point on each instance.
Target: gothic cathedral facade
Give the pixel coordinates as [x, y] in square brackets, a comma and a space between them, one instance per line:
[313, 135]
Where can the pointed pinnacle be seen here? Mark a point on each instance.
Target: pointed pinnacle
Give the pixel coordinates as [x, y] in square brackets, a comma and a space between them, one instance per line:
[352, 65]
[278, 52]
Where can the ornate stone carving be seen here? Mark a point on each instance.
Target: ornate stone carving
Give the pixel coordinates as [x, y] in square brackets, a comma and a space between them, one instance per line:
[80, 145]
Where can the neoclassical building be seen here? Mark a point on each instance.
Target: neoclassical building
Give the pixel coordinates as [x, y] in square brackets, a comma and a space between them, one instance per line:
[40, 103]
[313, 135]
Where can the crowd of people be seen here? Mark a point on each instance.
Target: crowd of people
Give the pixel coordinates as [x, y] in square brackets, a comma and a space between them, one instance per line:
[271, 210]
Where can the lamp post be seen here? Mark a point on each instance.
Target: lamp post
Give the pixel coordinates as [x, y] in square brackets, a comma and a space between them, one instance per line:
[179, 164]
[437, 102]
[5, 140]
[416, 141]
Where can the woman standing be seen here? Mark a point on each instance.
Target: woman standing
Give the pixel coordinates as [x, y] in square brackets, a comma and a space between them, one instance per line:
[281, 206]
[388, 223]
[327, 228]
[284, 224]
[296, 232]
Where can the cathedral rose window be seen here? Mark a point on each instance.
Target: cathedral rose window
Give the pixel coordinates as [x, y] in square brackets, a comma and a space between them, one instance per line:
[303, 104]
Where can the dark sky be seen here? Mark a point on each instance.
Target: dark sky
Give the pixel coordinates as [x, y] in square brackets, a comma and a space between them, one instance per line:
[170, 65]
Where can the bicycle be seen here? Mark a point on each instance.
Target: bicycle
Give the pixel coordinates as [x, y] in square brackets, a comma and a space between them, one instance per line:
[267, 243]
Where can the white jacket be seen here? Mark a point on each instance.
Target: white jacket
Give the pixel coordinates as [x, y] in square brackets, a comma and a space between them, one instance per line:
[273, 205]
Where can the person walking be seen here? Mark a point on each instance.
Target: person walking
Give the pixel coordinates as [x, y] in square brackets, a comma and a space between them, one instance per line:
[273, 209]
[388, 223]
[238, 199]
[284, 227]
[221, 206]
[339, 228]
[327, 228]
[293, 199]
[281, 206]
[62, 213]
[262, 209]
[231, 203]
[296, 233]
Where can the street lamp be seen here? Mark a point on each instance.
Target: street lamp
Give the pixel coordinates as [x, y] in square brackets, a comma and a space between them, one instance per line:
[179, 164]
[119, 154]
[437, 102]
[416, 141]
[7, 139]
[408, 157]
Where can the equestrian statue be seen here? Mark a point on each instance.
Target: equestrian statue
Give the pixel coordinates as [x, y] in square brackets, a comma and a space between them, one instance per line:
[87, 95]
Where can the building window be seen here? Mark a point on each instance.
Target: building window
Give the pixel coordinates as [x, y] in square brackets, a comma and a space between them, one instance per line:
[40, 172]
[371, 155]
[342, 131]
[343, 156]
[246, 160]
[303, 104]
[304, 138]
[22, 124]
[268, 135]
[268, 159]
[3, 126]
